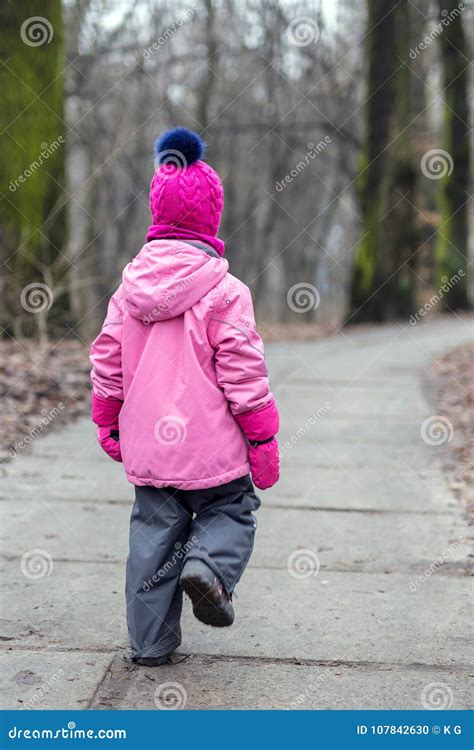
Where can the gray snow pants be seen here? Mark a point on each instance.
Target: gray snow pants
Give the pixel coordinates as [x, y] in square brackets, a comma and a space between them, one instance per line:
[169, 526]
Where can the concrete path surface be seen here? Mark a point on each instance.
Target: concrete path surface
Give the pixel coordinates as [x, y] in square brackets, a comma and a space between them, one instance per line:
[357, 594]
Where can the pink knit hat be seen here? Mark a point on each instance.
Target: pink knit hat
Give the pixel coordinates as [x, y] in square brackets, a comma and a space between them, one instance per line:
[185, 192]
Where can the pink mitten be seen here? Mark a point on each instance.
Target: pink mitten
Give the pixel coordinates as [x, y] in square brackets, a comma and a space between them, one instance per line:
[105, 413]
[264, 462]
[108, 438]
[260, 427]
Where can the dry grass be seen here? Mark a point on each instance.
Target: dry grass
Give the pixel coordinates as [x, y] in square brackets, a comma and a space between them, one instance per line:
[451, 386]
[39, 390]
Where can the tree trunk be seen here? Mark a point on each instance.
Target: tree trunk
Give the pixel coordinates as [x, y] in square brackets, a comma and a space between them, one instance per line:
[451, 248]
[31, 117]
[383, 285]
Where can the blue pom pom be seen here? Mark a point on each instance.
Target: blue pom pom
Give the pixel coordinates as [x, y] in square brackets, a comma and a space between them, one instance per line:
[180, 141]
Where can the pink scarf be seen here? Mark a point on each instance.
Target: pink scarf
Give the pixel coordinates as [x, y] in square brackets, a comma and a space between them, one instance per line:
[169, 232]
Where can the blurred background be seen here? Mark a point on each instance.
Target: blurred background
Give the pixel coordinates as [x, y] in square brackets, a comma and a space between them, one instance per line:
[342, 131]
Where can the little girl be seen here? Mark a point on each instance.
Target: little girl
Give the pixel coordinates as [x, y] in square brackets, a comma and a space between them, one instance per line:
[180, 395]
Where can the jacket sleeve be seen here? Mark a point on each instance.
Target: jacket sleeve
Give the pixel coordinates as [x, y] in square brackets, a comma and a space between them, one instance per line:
[106, 353]
[240, 363]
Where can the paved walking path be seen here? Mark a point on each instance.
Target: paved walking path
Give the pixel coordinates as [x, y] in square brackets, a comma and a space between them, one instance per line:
[336, 609]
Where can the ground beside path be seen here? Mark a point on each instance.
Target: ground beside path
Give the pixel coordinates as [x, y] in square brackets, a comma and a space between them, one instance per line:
[357, 594]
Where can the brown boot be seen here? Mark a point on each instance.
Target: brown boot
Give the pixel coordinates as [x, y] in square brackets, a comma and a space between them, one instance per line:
[211, 604]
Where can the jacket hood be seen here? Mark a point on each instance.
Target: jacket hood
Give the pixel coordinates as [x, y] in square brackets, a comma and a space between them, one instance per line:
[167, 277]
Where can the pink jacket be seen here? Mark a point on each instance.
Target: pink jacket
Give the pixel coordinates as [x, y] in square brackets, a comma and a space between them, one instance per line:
[179, 348]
